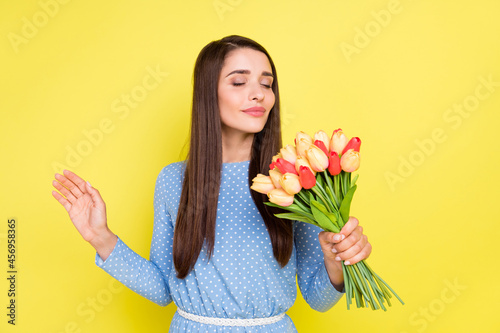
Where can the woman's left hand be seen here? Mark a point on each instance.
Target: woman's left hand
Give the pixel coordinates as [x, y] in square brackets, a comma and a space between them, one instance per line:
[349, 245]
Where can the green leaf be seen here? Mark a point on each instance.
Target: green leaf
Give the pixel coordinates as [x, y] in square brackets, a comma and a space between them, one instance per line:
[345, 206]
[324, 219]
[294, 216]
[292, 208]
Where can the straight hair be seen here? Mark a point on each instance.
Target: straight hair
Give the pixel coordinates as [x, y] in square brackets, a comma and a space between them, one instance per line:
[196, 218]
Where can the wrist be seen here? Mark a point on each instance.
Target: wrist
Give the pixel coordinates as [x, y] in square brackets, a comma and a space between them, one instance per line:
[334, 270]
[104, 243]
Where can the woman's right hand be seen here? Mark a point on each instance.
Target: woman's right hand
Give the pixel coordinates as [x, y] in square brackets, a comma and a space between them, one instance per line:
[86, 210]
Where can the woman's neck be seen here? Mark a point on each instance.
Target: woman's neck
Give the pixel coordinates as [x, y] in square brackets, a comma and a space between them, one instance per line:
[236, 147]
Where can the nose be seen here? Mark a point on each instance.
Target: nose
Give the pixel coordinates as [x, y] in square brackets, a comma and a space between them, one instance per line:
[256, 93]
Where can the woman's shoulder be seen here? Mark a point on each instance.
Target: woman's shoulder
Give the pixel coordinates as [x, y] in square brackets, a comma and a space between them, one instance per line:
[172, 172]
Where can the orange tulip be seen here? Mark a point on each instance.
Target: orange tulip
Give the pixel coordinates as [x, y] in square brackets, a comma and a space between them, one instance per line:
[290, 183]
[301, 146]
[275, 177]
[289, 153]
[350, 160]
[317, 158]
[280, 197]
[322, 136]
[338, 141]
[303, 135]
[302, 161]
[262, 184]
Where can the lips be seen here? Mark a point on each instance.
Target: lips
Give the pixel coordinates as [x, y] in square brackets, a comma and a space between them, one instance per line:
[255, 111]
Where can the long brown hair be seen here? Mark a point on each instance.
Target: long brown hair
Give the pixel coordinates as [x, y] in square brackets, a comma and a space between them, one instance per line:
[195, 225]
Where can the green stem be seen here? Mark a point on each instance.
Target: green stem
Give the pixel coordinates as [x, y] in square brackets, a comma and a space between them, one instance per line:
[316, 190]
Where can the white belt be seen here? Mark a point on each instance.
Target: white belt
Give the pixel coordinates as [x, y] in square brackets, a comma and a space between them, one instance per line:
[231, 321]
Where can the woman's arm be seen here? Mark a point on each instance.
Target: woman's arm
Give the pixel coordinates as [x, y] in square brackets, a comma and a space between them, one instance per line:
[88, 213]
[312, 276]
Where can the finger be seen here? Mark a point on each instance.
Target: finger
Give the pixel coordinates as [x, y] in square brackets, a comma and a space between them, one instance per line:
[63, 201]
[69, 196]
[76, 180]
[96, 196]
[350, 240]
[75, 190]
[353, 250]
[350, 226]
[347, 229]
[362, 255]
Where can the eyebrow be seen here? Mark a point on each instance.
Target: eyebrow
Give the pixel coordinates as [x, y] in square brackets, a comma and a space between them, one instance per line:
[246, 71]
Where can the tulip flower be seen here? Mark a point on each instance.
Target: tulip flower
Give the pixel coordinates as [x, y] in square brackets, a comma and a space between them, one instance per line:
[275, 177]
[321, 145]
[303, 135]
[302, 146]
[350, 160]
[299, 183]
[338, 141]
[317, 158]
[290, 183]
[284, 166]
[289, 153]
[306, 177]
[280, 197]
[322, 136]
[302, 161]
[262, 184]
[354, 144]
[334, 164]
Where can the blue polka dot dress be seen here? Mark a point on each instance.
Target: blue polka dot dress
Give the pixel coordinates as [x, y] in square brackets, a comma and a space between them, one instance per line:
[242, 279]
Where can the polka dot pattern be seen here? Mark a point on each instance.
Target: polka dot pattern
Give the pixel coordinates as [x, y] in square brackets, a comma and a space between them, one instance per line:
[242, 279]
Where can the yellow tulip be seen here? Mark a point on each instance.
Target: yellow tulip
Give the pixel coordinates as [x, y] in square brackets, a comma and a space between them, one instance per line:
[301, 160]
[290, 183]
[317, 158]
[322, 136]
[262, 184]
[275, 177]
[303, 135]
[349, 162]
[302, 145]
[280, 197]
[289, 153]
[338, 141]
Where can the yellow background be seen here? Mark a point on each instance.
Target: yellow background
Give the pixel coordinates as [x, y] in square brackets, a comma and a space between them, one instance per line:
[428, 202]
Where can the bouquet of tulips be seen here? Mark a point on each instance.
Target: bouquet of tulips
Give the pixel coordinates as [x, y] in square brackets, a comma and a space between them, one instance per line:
[312, 181]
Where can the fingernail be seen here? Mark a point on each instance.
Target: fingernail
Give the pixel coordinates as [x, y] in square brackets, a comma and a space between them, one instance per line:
[337, 258]
[89, 184]
[334, 250]
[342, 237]
[336, 237]
[347, 262]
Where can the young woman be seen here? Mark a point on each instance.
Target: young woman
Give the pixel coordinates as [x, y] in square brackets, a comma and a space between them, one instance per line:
[217, 251]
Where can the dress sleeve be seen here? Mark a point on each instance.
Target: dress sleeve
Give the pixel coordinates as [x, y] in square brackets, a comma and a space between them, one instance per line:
[148, 278]
[312, 277]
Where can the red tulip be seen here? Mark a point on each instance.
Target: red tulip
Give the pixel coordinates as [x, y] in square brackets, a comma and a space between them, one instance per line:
[272, 165]
[321, 145]
[334, 163]
[284, 166]
[306, 177]
[353, 144]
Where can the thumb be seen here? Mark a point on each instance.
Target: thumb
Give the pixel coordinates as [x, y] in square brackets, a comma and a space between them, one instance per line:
[96, 197]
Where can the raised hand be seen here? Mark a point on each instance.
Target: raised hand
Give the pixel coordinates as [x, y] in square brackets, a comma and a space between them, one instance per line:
[86, 210]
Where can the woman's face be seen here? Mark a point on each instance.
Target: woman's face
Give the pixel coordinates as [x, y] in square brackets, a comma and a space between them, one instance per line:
[244, 91]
